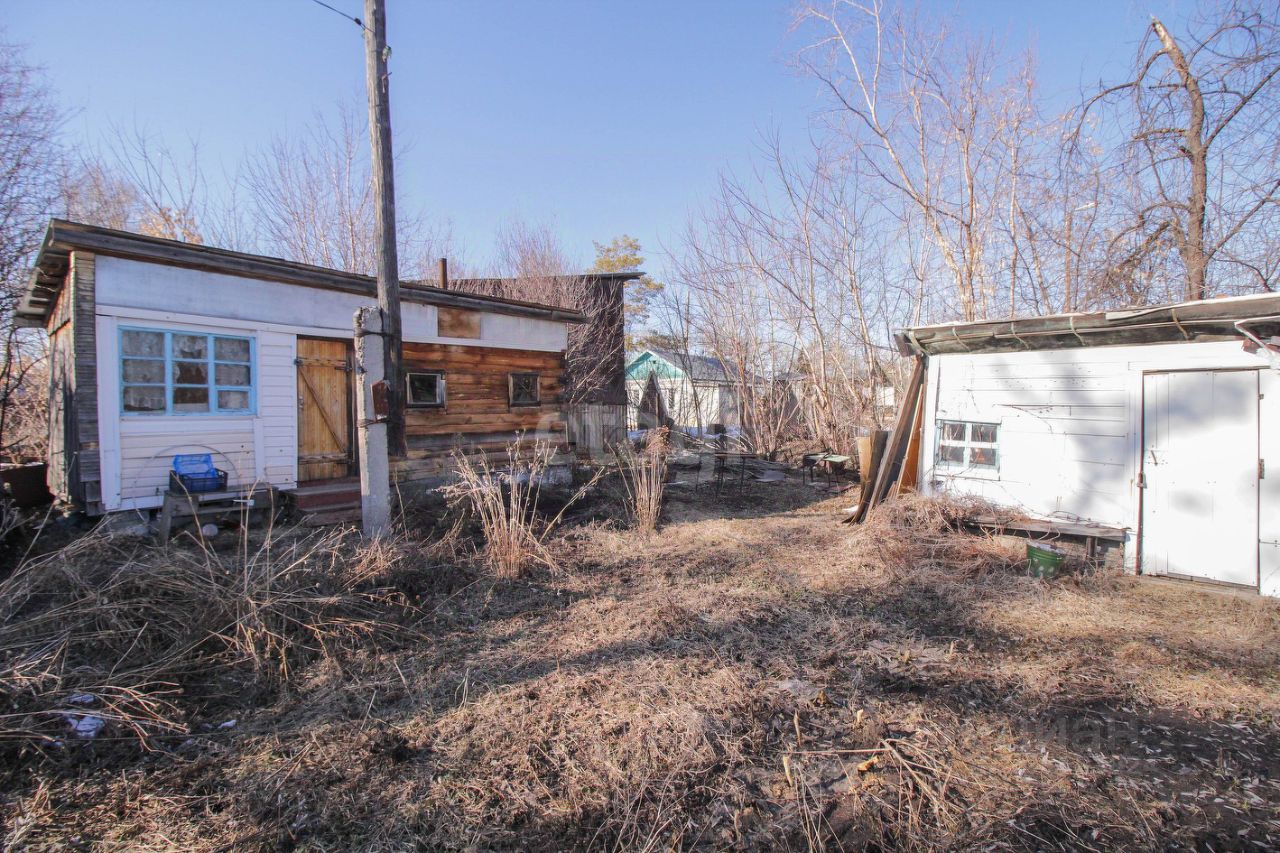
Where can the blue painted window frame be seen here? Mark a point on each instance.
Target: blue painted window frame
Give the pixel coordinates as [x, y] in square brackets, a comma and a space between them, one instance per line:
[211, 362]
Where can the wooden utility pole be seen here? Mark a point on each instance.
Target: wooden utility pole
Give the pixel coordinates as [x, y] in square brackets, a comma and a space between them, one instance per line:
[378, 83]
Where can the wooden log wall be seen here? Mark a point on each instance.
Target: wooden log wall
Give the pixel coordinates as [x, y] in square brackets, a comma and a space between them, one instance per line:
[477, 416]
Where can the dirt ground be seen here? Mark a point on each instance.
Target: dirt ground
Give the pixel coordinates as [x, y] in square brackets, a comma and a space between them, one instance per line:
[754, 676]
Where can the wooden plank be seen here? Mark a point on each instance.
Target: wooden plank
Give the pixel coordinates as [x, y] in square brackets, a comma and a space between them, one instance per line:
[909, 479]
[891, 465]
[83, 444]
[457, 323]
[1035, 525]
[324, 418]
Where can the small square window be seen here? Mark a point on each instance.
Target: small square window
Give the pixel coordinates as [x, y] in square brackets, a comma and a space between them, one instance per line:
[233, 401]
[231, 374]
[524, 389]
[187, 400]
[425, 389]
[190, 346]
[982, 433]
[967, 445]
[144, 398]
[190, 373]
[144, 344]
[231, 349]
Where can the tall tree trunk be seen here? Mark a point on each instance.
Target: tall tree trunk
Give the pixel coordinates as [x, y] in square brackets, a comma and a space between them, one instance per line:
[1196, 150]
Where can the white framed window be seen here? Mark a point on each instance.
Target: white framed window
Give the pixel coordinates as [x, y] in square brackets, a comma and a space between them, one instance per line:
[968, 444]
[524, 390]
[425, 390]
[165, 372]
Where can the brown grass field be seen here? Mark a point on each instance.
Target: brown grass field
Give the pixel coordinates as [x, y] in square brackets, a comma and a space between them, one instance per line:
[754, 675]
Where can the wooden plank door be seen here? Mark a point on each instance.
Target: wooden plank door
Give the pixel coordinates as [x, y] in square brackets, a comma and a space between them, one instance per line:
[324, 409]
[1200, 475]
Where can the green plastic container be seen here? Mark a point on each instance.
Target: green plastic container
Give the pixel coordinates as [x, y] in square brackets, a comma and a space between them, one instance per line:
[1044, 561]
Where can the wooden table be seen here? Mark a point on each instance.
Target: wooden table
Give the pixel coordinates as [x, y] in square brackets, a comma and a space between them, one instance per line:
[180, 504]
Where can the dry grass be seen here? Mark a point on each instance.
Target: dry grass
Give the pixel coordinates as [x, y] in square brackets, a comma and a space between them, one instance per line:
[506, 502]
[644, 478]
[757, 677]
[142, 629]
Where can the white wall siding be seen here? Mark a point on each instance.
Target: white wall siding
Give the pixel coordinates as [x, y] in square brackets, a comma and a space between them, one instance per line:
[138, 451]
[155, 288]
[1070, 423]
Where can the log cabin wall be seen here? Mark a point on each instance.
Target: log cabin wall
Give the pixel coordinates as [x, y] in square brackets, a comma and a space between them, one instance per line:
[477, 415]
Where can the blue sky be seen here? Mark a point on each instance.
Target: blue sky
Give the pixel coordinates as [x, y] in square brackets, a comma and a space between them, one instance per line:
[602, 117]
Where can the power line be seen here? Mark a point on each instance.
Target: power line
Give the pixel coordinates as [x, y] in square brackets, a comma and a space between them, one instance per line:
[359, 23]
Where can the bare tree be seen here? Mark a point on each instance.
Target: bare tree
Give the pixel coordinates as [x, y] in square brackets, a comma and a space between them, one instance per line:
[1200, 114]
[935, 120]
[309, 197]
[30, 159]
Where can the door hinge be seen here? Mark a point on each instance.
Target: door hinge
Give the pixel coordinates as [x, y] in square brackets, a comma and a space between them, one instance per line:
[1142, 480]
[1262, 469]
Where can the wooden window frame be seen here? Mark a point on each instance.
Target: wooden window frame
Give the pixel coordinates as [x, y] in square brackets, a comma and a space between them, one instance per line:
[968, 444]
[511, 390]
[211, 362]
[442, 390]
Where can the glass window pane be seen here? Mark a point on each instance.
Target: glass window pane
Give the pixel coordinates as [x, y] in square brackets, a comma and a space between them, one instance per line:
[953, 431]
[951, 454]
[233, 400]
[524, 388]
[983, 433]
[191, 399]
[144, 370]
[142, 343]
[231, 349]
[190, 373]
[144, 398]
[424, 389]
[190, 346]
[982, 457]
[231, 374]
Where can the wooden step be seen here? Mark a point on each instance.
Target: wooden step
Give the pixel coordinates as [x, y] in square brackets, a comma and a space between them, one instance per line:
[345, 515]
[327, 494]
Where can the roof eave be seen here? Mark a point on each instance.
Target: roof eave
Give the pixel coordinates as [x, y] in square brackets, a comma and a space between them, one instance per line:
[1207, 320]
[63, 237]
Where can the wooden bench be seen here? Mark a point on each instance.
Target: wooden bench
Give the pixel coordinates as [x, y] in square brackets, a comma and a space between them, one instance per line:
[180, 505]
[1044, 529]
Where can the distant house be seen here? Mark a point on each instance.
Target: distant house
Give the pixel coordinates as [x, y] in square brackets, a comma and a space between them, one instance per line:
[697, 390]
[159, 348]
[1161, 420]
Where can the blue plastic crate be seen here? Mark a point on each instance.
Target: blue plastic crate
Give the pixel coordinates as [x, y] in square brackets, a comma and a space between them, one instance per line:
[194, 472]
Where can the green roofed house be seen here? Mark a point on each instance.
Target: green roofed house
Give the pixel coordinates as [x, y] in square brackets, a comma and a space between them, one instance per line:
[697, 391]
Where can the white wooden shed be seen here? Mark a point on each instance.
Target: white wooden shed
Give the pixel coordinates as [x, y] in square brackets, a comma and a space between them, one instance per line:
[160, 348]
[1161, 420]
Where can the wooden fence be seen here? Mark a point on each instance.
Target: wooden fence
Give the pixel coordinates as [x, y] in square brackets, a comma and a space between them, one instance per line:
[594, 429]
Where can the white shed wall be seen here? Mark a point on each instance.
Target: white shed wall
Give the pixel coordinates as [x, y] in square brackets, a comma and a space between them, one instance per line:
[123, 283]
[137, 452]
[1070, 423]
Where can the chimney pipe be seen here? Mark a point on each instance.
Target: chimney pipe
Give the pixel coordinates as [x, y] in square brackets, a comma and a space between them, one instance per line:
[444, 273]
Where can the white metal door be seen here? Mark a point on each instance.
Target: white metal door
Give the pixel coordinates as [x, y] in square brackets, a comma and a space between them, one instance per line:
[1200, 473]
